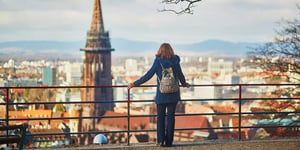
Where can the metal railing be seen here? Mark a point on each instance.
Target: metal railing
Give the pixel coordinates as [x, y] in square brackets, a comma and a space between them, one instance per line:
[239, 97]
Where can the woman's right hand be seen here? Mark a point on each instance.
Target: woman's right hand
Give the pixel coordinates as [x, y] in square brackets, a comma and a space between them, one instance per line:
[130, 85]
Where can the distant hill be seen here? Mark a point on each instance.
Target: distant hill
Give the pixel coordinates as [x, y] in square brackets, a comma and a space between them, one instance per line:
[218, 47]
[123, 47]
[41, 49]
[206, 48]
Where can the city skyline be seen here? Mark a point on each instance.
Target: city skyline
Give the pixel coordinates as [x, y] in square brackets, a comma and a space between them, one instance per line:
[68, 20]
[70, 103]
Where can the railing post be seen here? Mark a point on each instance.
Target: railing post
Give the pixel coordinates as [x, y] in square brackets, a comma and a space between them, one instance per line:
[128, 115]
[7, 111]
[240, 111]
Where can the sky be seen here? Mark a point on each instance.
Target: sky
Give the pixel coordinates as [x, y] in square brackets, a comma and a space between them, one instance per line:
[69, 20]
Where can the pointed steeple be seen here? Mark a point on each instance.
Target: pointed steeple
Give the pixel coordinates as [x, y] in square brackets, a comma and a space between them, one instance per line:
[97, 20]
[97, 38]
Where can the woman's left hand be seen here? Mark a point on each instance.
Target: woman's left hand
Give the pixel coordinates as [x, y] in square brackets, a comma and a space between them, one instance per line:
[187, 85]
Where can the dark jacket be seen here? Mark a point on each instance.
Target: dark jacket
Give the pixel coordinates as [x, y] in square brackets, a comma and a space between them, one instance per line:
[156, 69]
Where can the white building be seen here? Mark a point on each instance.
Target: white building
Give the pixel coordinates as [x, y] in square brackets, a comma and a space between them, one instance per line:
[3, 83]
[204, 92]
[131, 67]
[9, 64]
[219, 66]
[73, 73]
[118, 70]
[119, 93]
[249, 69]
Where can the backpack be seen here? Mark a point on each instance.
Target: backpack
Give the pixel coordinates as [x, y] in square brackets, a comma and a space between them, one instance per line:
[168, 82]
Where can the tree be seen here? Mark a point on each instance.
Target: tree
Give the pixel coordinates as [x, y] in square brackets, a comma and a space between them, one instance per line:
[281, 60]
[59, 108]
[26, 93]
[278, 106]
[281, 57]
[179, 6]
[34, 95]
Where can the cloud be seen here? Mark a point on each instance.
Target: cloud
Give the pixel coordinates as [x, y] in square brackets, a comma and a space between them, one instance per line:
[232, 20]
[42, 19]
[17, 5]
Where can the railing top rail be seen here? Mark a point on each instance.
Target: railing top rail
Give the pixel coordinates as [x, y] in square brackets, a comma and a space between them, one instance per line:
[122, 86]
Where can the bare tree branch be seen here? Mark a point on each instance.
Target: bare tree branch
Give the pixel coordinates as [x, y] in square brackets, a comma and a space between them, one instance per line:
[186, 9]
[282, 56]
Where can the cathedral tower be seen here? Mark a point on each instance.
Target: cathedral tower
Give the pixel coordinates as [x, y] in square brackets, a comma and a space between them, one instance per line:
[96, 72]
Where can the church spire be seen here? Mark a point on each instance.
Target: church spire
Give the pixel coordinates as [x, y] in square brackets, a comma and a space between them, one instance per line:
[97, 20]
[97, 38]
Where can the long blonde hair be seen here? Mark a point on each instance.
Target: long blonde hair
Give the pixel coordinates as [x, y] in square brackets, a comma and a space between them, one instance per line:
[165, 51]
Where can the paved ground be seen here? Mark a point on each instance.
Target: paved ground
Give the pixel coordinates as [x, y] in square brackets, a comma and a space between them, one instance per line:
[278, 144]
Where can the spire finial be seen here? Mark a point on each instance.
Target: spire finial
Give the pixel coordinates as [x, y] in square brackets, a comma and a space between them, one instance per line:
[97, 20]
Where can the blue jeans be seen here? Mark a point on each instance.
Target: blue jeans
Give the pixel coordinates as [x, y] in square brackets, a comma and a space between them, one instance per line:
[165, 125]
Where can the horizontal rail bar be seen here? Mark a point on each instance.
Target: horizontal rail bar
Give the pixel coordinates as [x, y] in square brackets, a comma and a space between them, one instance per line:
[187, 114]
[145, 101]
[125, 86]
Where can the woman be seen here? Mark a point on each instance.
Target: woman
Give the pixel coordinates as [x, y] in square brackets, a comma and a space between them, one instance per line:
[165, 58]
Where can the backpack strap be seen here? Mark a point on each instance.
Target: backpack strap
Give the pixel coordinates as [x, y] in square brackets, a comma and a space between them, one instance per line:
[161, 66]
[162, 69]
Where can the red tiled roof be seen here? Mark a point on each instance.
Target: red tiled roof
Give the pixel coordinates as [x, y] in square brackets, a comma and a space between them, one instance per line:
[55, 123]
[53, 130]
[135, 122]
[191, 122]
[41, 131]
[197, 108]
[17, 91]
[258, 109]
[218, 108]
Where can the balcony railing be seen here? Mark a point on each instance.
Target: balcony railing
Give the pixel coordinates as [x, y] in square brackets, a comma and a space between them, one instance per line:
[239, 96]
